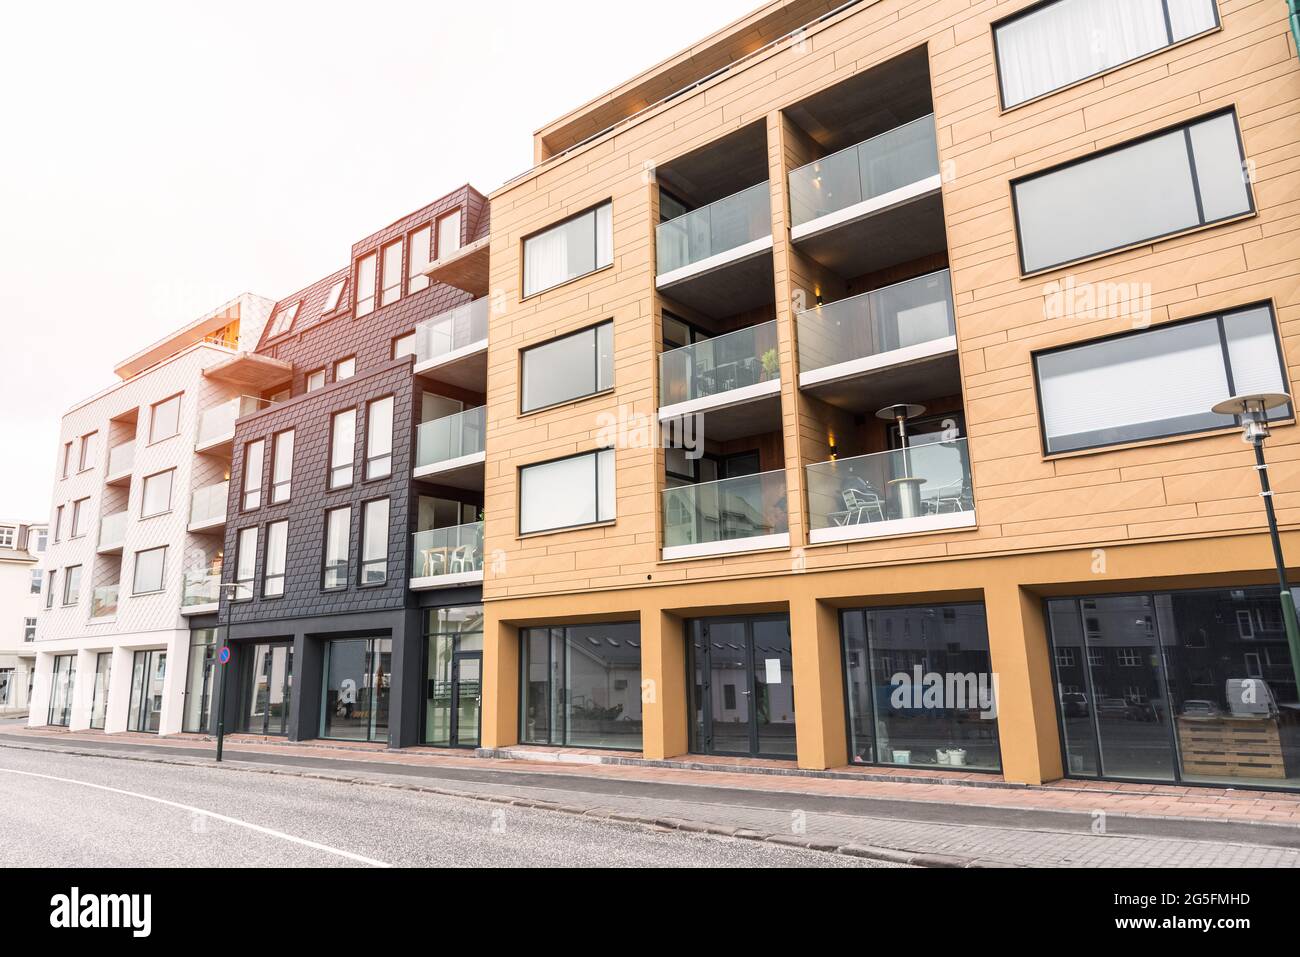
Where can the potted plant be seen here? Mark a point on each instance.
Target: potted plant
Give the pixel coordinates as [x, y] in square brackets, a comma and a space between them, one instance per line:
[771, 364]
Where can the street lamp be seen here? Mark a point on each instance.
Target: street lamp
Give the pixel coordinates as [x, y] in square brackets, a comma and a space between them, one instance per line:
[221, 693]
[1253, 411]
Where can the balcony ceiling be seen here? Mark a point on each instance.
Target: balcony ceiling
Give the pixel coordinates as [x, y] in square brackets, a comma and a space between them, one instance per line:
[252, 373]
[919, 382]
[467, 372]
[720, 169]
[726, 290]
[881, 239]
[745, 420]
[466, 268]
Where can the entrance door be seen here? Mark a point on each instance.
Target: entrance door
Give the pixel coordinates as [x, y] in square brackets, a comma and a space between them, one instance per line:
[358, 681]
[743, 687]
[148, 676]
[467, 692]
[268, 689]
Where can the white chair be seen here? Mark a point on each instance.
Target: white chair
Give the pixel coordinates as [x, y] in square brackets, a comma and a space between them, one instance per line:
[433, 561]
[950, 497]
[860, 503]
[462, 560]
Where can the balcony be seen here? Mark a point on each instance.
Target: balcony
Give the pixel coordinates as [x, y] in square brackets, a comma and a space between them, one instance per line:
[452, 346]
[217, 424]
[121, 462]
[103, 602]
[873, 205]
[201, 593]
[718, 259]
[112, 533]
[208, 507]
[444, 557]
[449, 450]
[735, 378]
[860, 352]
[726, 517]
[924, 488]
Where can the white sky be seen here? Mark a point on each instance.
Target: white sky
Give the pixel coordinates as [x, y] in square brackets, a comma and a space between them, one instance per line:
[159, 158]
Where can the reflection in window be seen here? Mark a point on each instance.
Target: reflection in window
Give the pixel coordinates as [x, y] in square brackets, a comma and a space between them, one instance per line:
[571, 249]
[569, 368]
[358, 683]
[582, 686]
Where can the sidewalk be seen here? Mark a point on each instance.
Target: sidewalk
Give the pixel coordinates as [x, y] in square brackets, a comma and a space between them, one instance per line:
[922, 817]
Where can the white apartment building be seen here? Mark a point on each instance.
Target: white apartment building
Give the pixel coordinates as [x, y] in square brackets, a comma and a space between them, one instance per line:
[22, 545]
[137, 527]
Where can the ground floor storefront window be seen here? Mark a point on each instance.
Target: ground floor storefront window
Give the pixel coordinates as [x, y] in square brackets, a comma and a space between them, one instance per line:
[148, 678]
[581, 686]
[199, 681]
[920, 687]
[1186, 686]
[99, 699]
[62, 679]
[742, 686]
[267, 693]
[358, 682]
[454, 671]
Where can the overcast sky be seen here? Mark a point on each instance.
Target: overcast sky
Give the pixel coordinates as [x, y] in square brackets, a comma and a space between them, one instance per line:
[158, 159]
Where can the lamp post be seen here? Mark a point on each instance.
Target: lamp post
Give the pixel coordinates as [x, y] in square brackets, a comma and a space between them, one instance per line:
[1253, 411]
[221, 693]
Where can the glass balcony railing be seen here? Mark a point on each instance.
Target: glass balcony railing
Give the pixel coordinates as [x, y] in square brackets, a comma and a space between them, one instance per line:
[201, 588]
[748, 506]
[732, 361]
[710, 230]
[218, 422]
[927, 479]
[451, 437]
[874, 167]
[883, 320]
[452, 330]
[121, 459]
[208, 505]
[112, 531]
[103, 601]
[448, 551]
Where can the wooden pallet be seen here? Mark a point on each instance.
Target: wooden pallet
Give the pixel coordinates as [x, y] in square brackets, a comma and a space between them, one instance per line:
[1231, 747]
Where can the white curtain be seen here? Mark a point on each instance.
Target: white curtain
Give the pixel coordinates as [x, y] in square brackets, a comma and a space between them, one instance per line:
[546, 261]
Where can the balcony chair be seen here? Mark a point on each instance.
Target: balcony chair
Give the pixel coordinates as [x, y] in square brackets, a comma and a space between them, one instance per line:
[861, 503]
[435, 560]
[463, 559]
[953, 497]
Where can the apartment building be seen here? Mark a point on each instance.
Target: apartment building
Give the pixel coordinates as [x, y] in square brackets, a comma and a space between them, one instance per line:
[136, 544]
[859, 362]
[352, 604]
[22, 544]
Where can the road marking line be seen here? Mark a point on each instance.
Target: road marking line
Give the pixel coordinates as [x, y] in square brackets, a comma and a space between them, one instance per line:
[212, 814]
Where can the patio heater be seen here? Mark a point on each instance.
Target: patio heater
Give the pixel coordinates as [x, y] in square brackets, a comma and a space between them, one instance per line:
[908, 486]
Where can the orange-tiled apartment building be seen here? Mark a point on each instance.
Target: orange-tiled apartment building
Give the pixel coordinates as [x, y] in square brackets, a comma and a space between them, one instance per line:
[858, 361]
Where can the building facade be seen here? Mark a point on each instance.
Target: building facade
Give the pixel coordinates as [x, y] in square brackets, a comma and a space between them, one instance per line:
[22, 545]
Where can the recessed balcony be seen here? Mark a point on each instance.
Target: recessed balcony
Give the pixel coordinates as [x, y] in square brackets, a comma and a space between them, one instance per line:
[103, 603]
[121, 463]
[727, 517]
[881, 344]
[452, 346]
[201, 593]
[873, 205]
[446, 557]
[734, 378]
[718, 258]
[217, 424]
[112, 533]
[208, 508]
[923, 488]
[449, 451]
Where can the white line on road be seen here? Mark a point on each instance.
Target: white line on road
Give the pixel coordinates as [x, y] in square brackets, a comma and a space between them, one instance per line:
[216, 817]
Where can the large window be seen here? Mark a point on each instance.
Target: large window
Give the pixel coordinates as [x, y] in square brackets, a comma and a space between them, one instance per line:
[366, 285]
[343, 442]
[564, 369]
[419, 258]
[200, 681]
[282, 467]
[567, 493]
[391, 290]
[1159, 382]
[1189, 176]
[1055, 44]
[374, 542]
[254, 459]
[62, 681]
[379, 438]
[581, 686]
[157, 498]
[453, 665]
[71, 584]
[150, 571]
[165, 419]
[277, 546]
[358, 681]
[245, 563]
[338, 533]
[574, 248]
[448, 234]
[920, 687]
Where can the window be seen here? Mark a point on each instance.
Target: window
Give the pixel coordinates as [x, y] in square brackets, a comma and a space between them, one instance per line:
[29, 629]
[277, 543]
[564, 369]
[1129, 657]
[8, 536]
[566, 493]
[67, 460]
[150, 569]
[366, 285]
[80, 508]
[343, 441]
[58, 523]
[338, 533]
[419, 259]
[71, 584]
[157, 497]
[1156, 383]
[254, 458]
[391, 289]
[333, 297]
[165, 419]
[245, 563]
[284, 318]
[42, 540]
[37, 578]
[1056, 44]
[404, 345]
[49, 589]
[448, 234]
[571, 249]
[86, 456]
[374, 542]
[581, 686]
[1065, 657]
[1096, 658]
[1190, 176]
[345, 368]
[379, 438]
[282, 467]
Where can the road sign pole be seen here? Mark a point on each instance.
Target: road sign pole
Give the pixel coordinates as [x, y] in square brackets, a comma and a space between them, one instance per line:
[223, 658]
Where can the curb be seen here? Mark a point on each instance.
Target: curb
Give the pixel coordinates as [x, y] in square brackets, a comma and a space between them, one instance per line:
[651, 822]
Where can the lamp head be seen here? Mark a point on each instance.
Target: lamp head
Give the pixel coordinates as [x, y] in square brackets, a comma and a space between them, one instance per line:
[1253, 410]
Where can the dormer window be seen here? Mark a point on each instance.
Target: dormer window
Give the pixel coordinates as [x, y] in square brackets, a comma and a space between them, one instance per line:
[334, 297]
[283, 321]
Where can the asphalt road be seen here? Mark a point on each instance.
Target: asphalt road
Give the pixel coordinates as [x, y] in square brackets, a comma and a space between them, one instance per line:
[59, 810]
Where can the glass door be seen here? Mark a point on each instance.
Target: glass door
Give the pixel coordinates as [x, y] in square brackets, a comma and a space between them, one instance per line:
[743, 687]
[148, 677]
[99, 706]
[358, 684]
[62, 680]
[268, 689]
[468, 683]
